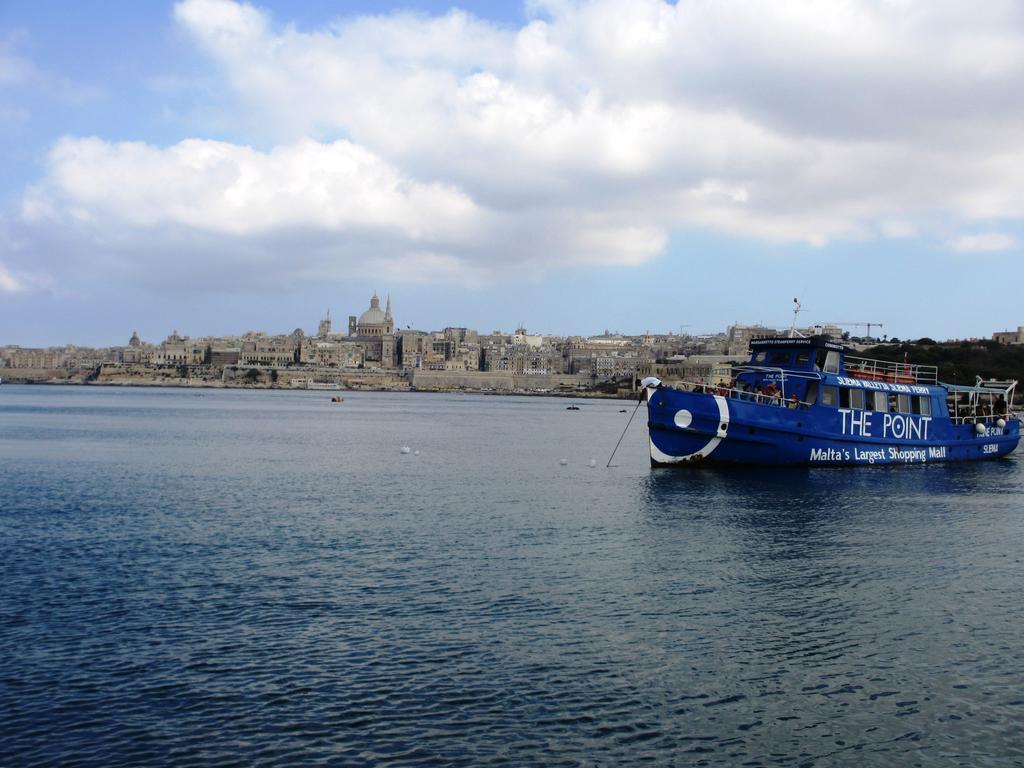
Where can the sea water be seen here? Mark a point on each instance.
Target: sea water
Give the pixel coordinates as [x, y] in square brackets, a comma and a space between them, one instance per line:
[210, 577]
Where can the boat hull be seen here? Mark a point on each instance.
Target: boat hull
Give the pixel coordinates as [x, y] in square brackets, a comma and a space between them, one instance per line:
[688, 428]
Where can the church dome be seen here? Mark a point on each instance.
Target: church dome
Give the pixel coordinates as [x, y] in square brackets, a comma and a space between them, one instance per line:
[374, 315]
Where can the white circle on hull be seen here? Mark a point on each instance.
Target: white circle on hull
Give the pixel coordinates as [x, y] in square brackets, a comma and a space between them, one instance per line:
[723, 414]
[683, 418]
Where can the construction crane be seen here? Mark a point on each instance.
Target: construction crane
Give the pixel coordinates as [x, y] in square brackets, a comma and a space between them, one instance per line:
[869, 326]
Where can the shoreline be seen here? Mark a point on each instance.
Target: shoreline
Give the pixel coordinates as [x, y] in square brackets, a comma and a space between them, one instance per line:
[181, 384]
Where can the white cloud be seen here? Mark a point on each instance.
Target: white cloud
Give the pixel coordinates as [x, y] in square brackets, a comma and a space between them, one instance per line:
[14, 69]
[21, 282]
[589, 135]
[991, 242]
[225, 188]
[8, 282]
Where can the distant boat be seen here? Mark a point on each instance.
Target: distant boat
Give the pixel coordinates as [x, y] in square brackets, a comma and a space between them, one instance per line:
[572, 407]
[337, 399]
[804, 401]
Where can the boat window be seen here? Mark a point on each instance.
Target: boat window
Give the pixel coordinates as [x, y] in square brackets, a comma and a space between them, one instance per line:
[844, 397]
[802, 359]
[904, 403]
[812, 393]
[923, 405]
[832, 362]
[778, 357]
[758, 358]
[829, 396]
[819, 359]
[881, 402]
[856, 398]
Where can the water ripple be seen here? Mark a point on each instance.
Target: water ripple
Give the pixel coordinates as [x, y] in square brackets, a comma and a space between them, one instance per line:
[260, 579]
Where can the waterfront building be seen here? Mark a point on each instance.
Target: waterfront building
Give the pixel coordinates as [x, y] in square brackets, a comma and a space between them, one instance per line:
[738, 337]
[701, 369]
[519, 353]
[23, 357]
[1010, 337]
[137, 352]
[333, 353]
[374, 331]
[604, 357]
[412, 348]
[453, 349]
[223, 356]
[260, 349]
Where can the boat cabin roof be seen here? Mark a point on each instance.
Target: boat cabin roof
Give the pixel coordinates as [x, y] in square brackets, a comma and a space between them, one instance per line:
[807, 342]
[820, 355]
[981, 389]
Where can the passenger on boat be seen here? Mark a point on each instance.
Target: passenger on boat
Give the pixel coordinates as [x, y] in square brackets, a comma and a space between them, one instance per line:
[794, 401]
[1000, 407]
[758, 395]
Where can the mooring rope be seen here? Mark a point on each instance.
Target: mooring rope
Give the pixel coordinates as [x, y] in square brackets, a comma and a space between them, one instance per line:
[641, 402]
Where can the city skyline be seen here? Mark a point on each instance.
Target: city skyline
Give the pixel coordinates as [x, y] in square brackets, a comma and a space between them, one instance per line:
[216, 166]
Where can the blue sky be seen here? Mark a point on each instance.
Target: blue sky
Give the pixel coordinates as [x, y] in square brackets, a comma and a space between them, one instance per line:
[215, 167]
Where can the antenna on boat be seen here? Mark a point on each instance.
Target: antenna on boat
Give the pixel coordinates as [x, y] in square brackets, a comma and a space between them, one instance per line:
[796, 312]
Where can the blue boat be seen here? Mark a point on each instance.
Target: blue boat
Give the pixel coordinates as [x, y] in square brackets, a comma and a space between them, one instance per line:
[805, 401]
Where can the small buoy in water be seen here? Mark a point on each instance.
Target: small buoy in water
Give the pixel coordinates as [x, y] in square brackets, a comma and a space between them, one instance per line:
[404, 449]
[592, 463]
[1001, 423]
[563, 462]
[415, 453]
[979, 428]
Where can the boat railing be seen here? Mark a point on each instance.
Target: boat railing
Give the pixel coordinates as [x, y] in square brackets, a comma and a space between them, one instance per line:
[979, 413]
[886, 370]
[735, 393]
[988, 401]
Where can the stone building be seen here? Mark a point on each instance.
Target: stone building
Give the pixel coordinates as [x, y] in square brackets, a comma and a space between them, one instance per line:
[1010, 337]
[412, 349]
[374, 331]
[137, 351]
[223, 356]
[696, 369]
[260, 349]
[22, 357]
[177, 350]
[331, 353]
[738, 337]
[453, 349]
[609, 356]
